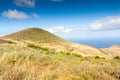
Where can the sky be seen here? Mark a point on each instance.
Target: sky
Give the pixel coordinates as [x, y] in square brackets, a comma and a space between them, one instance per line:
[69, 19]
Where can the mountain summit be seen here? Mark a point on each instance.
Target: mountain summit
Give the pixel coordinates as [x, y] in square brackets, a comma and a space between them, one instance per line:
[36, 35]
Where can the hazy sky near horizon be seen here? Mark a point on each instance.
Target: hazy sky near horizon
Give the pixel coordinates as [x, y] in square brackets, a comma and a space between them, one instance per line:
[70, 19]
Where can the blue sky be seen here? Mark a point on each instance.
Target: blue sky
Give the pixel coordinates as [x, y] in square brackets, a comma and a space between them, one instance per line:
[70, 19]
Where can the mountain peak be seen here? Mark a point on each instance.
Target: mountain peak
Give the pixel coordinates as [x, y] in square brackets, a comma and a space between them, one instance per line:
[36, 35]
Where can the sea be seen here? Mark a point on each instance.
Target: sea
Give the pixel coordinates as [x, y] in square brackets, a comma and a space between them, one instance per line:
[99, 43]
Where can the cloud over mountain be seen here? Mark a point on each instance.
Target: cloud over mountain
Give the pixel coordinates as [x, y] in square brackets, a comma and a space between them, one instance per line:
[58, 29]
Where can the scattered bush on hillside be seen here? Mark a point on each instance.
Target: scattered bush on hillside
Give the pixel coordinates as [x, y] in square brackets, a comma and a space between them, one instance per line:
[97, 57]
[10, 42]
[68, 53]
[77, 55]
[37, 47]
[6, 41]
[117, 57]
[24, 63]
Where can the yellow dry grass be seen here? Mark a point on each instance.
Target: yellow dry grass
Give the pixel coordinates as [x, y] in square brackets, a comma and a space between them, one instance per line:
[21, 62]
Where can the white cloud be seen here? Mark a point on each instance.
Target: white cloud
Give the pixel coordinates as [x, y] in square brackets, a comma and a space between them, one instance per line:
[107, 23]
[15, 14]
[59, 29]
[25, 3]
[57, 0]
[34, 15]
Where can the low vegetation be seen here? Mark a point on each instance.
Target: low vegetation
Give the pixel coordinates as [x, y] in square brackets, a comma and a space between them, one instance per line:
[20, 62]
[50, 41]
[6, 41]
[117, 57]
[24, 56]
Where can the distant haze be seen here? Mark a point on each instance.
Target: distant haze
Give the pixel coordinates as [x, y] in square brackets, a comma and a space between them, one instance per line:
[99, 43]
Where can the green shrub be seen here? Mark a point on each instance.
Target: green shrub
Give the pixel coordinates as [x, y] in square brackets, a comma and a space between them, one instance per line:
[77, 55]
[68, 53]
[37, 47]
[97, 57]
[60, 53]
[33, 46]
[10, 42]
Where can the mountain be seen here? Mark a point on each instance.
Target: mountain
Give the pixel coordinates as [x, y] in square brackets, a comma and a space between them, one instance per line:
[42, 38]
[36, 35]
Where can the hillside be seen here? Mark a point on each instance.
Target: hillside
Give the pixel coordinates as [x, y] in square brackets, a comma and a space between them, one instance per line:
[34, 34]
[115, 46]
[24, 55]
[2, 41]
[19, 62]
[40, 37]
[112, 51]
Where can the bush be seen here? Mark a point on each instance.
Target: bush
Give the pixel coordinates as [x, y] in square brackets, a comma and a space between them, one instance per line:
[37, 47]
[32, 46]
[117, 57]
[97, 57]
[77, 55]
[68, 53]
[10, 42]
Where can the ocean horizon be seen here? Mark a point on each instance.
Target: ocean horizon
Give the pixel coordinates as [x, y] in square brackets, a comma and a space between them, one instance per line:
[99, 43]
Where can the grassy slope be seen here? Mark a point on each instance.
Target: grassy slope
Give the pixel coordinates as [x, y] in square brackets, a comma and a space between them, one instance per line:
[3, 41]
[36, 35]
[46, 39]
[113, 51]
[21, 62]
[84, 50]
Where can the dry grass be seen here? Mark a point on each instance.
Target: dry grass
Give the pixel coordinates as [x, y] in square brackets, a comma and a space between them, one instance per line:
[20, 62]
[112, 51]
[83, 50]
